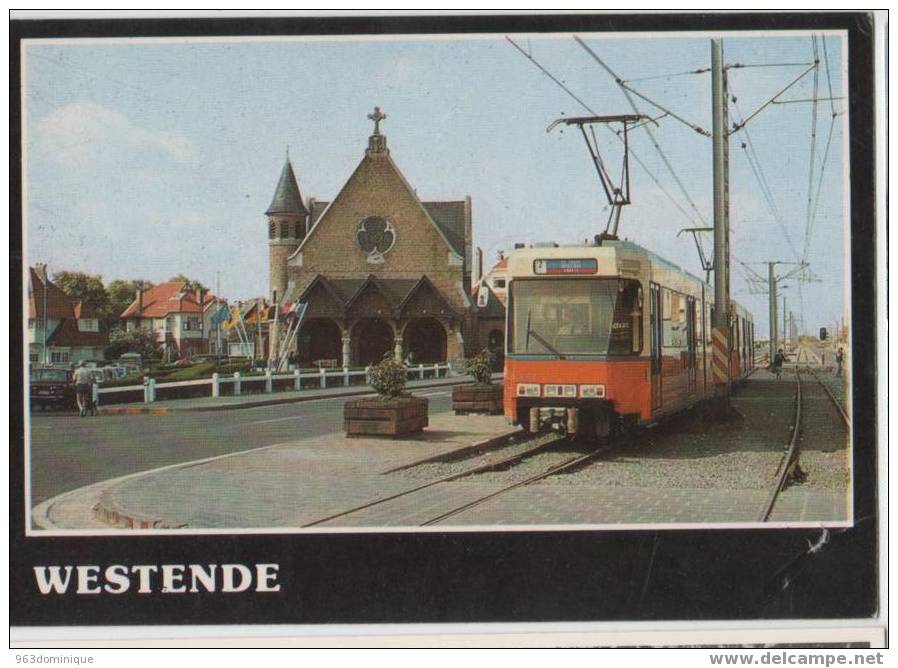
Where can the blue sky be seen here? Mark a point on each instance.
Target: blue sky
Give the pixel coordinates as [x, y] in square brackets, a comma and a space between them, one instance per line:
[148, 159]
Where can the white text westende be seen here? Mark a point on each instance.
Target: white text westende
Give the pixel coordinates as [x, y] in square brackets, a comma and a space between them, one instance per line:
[157, 578]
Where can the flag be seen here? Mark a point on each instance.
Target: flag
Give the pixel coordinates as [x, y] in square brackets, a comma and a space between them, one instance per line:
[222, 315]
[234, 317]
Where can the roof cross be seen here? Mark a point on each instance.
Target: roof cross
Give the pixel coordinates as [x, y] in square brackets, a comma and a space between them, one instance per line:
[377, 116]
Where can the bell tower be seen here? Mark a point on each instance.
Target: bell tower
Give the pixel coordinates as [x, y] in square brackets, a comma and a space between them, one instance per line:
[287, 216]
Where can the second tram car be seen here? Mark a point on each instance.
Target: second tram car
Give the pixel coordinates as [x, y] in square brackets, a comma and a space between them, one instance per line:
[599, 336]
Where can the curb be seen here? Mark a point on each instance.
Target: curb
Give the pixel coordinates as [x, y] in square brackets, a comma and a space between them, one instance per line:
[109, 513]
[147, 410]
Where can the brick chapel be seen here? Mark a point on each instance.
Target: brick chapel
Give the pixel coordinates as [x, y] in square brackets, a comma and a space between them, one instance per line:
[381, 271]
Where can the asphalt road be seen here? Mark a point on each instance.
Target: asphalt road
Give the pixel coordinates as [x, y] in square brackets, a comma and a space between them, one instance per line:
[68, 452]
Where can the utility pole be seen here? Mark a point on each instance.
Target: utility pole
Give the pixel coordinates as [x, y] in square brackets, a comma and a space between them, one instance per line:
[785, 336]
[771, 281]
[720, 141]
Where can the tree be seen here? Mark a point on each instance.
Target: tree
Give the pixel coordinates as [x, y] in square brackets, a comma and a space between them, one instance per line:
[122, 293]
[136, 341]
[83, 287]
[190, 283]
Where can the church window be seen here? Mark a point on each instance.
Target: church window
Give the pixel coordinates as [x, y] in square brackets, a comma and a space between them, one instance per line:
[272, 230]
[285, 232]
[375, 237]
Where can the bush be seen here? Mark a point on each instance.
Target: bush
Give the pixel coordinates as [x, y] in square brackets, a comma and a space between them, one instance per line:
[388, 377]
[136, 341]
[480, 367]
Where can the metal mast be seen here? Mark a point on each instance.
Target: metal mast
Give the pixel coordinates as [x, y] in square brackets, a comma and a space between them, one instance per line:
[720, 139]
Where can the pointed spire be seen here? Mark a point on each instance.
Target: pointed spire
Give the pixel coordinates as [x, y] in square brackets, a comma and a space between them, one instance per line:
[287, 198]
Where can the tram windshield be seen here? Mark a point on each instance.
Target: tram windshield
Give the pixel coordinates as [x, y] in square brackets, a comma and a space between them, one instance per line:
[575, 317]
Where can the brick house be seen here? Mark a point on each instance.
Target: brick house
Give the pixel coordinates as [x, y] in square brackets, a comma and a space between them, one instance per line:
[61, 331]
[180, 318]
[380, 270]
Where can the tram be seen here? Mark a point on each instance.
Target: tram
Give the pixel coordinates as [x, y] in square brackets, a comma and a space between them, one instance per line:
[602, 336]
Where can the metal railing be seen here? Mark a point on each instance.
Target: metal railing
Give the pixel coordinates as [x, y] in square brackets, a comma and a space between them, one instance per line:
[238, 382]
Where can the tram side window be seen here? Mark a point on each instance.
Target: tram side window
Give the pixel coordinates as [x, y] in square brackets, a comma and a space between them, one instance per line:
[626, 328]
[674, 323]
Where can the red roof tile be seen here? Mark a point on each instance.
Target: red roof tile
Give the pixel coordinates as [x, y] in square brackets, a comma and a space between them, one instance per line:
[58, 304]
[165, 298]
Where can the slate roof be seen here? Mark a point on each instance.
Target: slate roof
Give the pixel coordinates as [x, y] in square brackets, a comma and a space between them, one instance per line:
[165, 298]
[494, 307]
[317, 209]
[450, 217]
[395, 290]
[287, 198]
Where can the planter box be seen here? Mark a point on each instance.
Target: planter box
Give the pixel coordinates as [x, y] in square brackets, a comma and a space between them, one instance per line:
[384, 417]
[476, 398]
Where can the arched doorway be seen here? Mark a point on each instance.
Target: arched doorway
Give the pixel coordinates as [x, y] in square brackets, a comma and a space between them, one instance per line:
[319, 339]
[425, 341]
[372, 339]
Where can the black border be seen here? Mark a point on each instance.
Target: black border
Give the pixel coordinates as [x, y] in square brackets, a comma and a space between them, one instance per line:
[488, 577]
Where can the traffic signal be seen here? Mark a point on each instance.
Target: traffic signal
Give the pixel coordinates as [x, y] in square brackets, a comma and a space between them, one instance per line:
[823, 334]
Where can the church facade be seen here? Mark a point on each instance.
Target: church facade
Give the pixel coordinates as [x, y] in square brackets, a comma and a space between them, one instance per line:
[380, 271]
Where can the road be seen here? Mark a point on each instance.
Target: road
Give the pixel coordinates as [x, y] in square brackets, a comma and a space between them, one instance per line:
[68, 452]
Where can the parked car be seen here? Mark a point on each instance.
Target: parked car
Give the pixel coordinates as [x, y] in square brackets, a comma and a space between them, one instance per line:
[52, 388]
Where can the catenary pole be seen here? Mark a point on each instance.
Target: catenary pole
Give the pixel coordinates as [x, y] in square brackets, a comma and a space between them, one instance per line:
[771, 282]
[720, 143]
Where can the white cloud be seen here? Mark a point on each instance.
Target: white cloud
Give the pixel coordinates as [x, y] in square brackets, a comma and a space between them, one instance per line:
[81, 132]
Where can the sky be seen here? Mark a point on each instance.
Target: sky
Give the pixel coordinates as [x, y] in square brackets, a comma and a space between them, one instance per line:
[146, 159]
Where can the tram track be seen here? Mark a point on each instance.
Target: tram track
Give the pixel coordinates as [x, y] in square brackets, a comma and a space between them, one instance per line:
[789, 464]
[789, 468]
[541, 443]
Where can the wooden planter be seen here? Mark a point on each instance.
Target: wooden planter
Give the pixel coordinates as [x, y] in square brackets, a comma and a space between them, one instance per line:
[477, 398]
[384, 417]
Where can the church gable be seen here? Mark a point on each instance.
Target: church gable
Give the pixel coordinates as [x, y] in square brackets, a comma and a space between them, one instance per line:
[371, 299]
[322, 300]
[425, 299]
[376, 224]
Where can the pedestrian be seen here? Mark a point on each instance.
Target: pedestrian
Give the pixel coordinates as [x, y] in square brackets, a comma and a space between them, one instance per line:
[778, 360]
[82, 380]
[840, 358]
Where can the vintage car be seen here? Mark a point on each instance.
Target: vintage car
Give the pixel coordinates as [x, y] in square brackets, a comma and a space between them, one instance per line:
[52, 388]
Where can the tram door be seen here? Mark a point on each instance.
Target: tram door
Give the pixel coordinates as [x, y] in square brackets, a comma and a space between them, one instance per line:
[690, 338]
[656, 324]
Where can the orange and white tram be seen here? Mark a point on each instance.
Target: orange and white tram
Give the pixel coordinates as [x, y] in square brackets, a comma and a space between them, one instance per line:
[599, 336]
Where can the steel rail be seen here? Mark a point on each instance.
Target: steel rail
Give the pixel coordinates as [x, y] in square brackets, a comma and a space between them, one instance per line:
[558, 468]
[791, 458]
[543, 442]
[832, 397]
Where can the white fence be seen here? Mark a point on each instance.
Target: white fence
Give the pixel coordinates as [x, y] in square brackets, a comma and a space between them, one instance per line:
[238, 382]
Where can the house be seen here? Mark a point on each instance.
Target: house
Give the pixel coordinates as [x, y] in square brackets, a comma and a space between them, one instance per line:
[61, 331]
[180, 317]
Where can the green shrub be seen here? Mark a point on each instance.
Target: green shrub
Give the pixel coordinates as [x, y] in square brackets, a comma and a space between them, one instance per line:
[480, 367]
[388, 377]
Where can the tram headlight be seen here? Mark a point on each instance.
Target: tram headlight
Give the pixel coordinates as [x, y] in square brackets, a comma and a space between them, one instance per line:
[528, 389]
[592, 391]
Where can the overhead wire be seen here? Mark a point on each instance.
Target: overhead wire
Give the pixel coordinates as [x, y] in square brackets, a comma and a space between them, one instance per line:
[813, 151]
[649, 132]
[772, 99]
[633, 153]
[668, 76]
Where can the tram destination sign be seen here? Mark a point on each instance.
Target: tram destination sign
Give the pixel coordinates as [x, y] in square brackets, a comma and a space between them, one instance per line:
[554, 267]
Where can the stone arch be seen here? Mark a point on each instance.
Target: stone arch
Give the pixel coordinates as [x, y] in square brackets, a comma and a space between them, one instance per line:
[424, 341]
[319, 339]
[372, 339]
